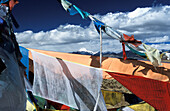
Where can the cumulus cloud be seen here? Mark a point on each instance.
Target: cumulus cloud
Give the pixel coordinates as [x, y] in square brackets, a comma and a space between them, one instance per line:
[142, 22]
[150, 24]
[157, 39]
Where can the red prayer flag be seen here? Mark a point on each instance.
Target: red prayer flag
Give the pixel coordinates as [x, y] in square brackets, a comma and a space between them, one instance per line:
[124, 52]
[58, 106]
[154, 92]
[131, 40]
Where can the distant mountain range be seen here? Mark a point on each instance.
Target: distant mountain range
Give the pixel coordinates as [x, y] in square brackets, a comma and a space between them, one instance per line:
[130, 55]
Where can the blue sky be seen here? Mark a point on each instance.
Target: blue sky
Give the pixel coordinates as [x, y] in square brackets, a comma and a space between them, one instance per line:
[43, 15]
[46, 25]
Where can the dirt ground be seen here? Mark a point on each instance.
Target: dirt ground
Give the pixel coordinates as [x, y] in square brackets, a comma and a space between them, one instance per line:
[113, 85]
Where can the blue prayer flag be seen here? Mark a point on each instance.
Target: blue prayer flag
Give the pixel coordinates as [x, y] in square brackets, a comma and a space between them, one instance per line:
[25, 59]
[98, 24]
[72, 9]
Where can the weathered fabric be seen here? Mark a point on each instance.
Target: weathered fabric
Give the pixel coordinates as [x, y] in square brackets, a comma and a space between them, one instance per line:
[137, 50]
[3, 1]
[12, 88]
[25, 59]
[67, 83]
[131, 40]
[153, 55]
[127, 109]
[134, 45]
[124, 52]
[154, 92]
[142, 107]
[113, 33]
[98, 24]
[72, 9]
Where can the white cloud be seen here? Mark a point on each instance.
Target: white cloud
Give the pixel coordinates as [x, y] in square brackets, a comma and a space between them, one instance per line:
[150, 24]
[139, 12]
[142, 22]
[157, 39]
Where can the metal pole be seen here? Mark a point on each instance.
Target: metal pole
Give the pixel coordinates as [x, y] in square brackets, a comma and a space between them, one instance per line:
[100, 47]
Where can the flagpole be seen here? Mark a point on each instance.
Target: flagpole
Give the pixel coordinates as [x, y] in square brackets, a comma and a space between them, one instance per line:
[98, 97]
[100, 47]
